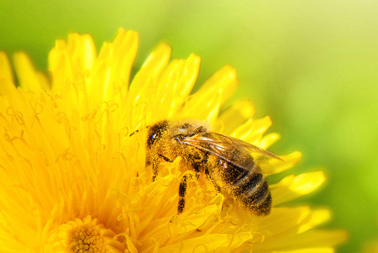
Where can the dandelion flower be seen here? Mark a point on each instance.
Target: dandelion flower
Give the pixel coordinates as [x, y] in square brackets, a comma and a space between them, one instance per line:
[74, 180]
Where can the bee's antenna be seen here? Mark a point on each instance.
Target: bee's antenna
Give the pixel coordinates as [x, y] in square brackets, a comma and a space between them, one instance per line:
[136, 131]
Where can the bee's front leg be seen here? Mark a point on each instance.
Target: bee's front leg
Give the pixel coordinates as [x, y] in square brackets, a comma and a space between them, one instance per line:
[155, 160]
[155, 163]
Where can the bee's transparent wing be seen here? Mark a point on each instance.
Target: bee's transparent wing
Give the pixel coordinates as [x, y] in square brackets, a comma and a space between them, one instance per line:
[250, 147]
[232, 150]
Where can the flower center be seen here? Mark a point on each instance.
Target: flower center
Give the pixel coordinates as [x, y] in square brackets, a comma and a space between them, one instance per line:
[88, 236]
[87, 239]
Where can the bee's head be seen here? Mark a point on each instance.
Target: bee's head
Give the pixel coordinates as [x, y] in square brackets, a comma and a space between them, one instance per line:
[155, 132]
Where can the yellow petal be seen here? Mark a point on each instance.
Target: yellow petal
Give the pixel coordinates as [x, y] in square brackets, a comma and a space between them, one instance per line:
[118, 57]
[12, 103]
[283, 220]
[144, 86]
[274, 166]
[292, 187]
[60, 67]
[29, 78]
[202, 107]
[269, 139]
[252, 130]
[234, 116]
[318, 217]
[81, 51]
[206, 102]
[309, 250]
[293, 220]
[310, 239]
[174, 84]
[223, 81]
[209, 243]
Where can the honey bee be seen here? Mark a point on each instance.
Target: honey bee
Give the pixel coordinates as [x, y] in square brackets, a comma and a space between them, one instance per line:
[226, 161]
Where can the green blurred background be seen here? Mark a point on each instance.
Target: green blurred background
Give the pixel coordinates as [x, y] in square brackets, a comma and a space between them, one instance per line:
[311, 65]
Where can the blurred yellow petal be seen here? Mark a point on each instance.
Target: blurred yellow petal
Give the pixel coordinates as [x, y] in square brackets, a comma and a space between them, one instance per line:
[30, 79]
[311, 250]
[5, 67]
[292, 220]
[269, 139]
[82, 51]
[310, 239]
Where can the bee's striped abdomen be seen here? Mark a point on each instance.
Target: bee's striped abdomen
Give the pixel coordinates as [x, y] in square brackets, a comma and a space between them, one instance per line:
[250, 188]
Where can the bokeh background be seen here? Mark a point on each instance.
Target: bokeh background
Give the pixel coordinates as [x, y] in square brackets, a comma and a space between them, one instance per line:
[312, 65]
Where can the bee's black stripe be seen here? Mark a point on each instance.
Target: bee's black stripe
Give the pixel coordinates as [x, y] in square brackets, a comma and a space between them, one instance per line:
[259, 193]
[247, 182]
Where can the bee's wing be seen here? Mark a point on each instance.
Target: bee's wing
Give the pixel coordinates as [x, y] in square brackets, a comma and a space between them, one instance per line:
[249, 147]
[221, 145]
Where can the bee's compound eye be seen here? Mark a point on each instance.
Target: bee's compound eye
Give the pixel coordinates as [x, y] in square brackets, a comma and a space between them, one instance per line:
[156, 132]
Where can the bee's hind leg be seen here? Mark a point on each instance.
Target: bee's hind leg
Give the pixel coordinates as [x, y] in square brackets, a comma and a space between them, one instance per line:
[182, 191]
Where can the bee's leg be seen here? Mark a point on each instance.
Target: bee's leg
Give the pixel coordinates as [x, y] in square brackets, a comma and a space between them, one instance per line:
[216, 186]
[155, 163]
[182, 191]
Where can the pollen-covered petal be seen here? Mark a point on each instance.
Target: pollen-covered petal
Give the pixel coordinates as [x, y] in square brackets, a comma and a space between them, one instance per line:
[206, 102]
[292, 187]
[5, 67]
[234, 116]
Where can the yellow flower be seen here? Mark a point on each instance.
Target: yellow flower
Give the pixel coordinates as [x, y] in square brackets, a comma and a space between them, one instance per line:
[74, 180]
